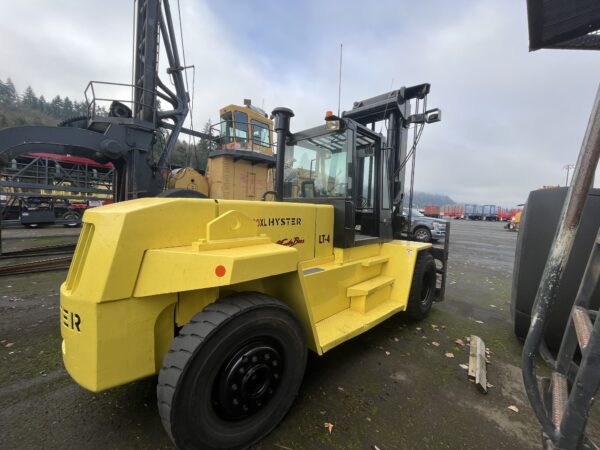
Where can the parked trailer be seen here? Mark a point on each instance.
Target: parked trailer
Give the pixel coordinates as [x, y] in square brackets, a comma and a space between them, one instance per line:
[452, 211]
[431, 211]
[504, 214]
[473, 212]
[490, 212]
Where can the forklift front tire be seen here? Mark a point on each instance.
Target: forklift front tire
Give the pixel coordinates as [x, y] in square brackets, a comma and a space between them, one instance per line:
[422, 290]
[232, 373]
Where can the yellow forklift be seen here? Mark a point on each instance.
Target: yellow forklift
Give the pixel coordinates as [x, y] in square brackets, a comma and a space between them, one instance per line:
[222, 298]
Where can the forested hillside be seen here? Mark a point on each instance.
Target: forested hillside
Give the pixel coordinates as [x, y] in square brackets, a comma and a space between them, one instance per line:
[26, 108]
[424, 198]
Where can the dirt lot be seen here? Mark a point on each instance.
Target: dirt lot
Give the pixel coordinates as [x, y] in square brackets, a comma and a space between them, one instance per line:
[392, 387]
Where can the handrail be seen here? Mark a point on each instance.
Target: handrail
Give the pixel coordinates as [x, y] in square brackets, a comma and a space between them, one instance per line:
[92, 100]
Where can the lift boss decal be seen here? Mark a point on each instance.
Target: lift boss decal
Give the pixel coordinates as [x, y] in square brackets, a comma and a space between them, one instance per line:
[290, 242]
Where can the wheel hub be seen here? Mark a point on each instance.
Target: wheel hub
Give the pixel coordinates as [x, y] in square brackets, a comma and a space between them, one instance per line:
[248, 380]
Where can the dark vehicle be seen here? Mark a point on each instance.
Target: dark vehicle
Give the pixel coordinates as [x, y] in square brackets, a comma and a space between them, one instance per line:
[40, 211]
[425, 229]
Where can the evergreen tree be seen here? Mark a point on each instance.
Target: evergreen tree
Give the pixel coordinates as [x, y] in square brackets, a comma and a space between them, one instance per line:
[42, 104]
[79, 108]
[203, 148]
[29, 98]
[68, 108]
[179, 155]
[14, 99]
[3, 92]
[10, 93]
[56, 106]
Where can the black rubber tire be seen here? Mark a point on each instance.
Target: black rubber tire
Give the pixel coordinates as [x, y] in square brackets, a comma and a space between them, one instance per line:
[181, 193]
[76, 220]
[422, 289]
[424, 231]
[195, 364]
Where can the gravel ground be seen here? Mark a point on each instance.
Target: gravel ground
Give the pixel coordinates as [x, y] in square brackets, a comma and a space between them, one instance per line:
[393, 387]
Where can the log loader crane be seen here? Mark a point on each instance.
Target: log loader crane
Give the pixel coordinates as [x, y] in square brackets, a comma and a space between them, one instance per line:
[127, 135]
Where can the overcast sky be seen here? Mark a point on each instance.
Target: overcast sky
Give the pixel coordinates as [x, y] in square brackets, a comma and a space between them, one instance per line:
[511, 119]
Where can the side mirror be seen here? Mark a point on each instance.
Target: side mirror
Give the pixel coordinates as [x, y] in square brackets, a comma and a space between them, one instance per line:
[433, 115]
[430, 116]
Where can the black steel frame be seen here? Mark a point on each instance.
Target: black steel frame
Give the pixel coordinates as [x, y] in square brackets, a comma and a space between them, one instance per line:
[126, 141]
[562, 405]
[563, 421]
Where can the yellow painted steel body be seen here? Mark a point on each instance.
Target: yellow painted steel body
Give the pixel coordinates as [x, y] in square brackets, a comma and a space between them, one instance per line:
[187, 178]
[144, 267]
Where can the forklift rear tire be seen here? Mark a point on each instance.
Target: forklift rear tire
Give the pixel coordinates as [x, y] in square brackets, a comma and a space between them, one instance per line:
[232, 373]
[422, 290]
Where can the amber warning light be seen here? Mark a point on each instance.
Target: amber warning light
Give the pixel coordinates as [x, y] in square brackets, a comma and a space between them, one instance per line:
[331, 122]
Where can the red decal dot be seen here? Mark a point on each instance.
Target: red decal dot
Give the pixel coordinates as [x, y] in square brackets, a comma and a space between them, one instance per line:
[220, 271]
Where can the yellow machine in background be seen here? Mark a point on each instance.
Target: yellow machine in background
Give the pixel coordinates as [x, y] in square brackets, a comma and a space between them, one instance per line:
[222, 298]
[240, 166]
[515, 221]
[189, 179]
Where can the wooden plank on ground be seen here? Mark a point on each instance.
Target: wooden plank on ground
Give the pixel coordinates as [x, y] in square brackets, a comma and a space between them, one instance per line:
[477, 368]
[472, 356]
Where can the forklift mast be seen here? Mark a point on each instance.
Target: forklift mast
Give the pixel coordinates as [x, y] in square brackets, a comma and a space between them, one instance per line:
[395, 108]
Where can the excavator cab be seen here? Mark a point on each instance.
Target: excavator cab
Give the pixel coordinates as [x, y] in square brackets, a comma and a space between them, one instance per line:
[245, 128]
[240, 163]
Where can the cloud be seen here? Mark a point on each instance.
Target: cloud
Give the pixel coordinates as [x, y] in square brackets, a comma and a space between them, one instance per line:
[511, 119]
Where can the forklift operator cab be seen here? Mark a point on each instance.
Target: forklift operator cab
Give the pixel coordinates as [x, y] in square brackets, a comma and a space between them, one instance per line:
[345, 168]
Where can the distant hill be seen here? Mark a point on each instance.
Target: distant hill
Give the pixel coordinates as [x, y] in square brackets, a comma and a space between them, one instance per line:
[424, 198]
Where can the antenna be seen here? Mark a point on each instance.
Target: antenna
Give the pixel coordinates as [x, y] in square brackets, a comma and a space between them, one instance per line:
[568, 168]
[340, 81]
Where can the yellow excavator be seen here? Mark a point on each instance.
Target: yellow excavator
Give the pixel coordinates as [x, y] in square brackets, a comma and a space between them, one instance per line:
[222, 298]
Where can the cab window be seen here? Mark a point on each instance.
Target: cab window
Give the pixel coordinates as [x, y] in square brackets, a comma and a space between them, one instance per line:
[317, 166]
[227, 127]
[260, 133]
[241, 126]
